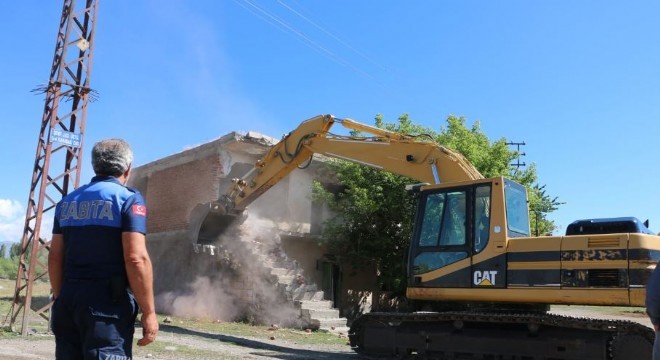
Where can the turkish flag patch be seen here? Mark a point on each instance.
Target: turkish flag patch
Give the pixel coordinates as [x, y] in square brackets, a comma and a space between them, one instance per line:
[139, 210]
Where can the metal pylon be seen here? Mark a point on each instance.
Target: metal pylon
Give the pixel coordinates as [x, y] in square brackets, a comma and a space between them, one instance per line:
[60, 143]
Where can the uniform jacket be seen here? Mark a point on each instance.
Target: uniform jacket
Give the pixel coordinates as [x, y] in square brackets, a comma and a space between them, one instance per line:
[91, 220]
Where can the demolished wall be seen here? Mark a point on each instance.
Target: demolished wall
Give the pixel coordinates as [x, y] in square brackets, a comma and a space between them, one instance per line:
[217, 281]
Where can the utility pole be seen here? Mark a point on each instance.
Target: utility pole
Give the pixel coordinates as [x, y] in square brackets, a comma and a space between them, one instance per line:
[518, 164]
[60, 143]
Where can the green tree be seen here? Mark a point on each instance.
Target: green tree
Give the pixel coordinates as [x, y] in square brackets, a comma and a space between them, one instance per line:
[540, 205]
[494, 159]
[374, 224]
[9, 265]
[15, 250]
[8, 268]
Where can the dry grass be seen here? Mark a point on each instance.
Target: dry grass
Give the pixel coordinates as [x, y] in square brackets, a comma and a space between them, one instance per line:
[40, 293]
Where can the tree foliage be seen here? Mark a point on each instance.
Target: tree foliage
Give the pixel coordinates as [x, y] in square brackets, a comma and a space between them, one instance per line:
[494, 159]
[374, 221]
[9, 265]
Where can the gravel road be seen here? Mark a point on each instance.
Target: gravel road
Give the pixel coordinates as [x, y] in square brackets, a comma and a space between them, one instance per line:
[184, 344]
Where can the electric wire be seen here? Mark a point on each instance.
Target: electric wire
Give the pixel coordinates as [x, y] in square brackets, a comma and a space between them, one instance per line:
[286, 27]
[272, 19]
[259, 15]
[327, 32]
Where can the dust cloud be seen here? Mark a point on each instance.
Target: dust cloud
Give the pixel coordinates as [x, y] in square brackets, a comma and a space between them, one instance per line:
[245, 274]
[238, 283]
[206, 300]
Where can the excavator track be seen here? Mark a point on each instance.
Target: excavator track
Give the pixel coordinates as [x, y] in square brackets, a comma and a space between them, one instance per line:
[471, 335]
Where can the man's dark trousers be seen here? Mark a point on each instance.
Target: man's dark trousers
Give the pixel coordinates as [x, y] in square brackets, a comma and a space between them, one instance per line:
[91, 319]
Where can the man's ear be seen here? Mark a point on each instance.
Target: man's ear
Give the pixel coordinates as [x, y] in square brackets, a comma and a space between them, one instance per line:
[127, 173]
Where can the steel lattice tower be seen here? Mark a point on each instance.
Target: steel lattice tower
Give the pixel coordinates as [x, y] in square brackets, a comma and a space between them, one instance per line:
[60, 143]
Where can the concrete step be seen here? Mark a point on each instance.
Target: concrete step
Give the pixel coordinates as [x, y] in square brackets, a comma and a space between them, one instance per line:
[315, 312]
[314, 295]
[307, 295]
[320, 314]
[314, 304]
[302, 289]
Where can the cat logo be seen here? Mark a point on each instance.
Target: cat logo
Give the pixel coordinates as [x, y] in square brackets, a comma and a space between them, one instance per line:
[485, 278]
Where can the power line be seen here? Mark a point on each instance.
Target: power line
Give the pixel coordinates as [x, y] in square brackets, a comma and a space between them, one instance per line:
[283, 25]
[316, 25]
[291, 29]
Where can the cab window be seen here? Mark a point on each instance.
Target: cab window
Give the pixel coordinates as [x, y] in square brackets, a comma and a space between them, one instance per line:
[443, 222]
[453, 222]
[482, 217]
[429, 261]
[435, 204]
[517, 215]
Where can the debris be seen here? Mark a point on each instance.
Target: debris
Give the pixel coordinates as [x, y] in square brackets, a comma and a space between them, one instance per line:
[273, 327]
[167, 320]
[308, 330]
[300, 280]
[272, 337]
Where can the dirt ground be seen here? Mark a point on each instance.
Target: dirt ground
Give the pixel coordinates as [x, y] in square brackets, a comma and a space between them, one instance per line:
[175, 343]
[179, 343]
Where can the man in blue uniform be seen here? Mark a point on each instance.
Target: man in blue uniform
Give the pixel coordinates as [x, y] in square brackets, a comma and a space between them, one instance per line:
[99, 268]
[653, 307]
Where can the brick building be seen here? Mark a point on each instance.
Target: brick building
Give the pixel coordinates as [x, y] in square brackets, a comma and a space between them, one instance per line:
[274, 264]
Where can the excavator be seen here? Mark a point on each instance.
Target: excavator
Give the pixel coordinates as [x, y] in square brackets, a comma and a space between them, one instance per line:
[472, 257]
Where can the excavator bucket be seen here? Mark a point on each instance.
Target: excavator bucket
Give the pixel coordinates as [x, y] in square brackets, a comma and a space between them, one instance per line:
[216, 223]
[213, 226]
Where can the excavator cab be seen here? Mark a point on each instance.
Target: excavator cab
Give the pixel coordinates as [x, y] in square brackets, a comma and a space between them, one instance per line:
[460, 234]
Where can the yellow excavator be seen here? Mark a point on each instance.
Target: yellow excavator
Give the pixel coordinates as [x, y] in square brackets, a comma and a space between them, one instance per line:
[471, 252]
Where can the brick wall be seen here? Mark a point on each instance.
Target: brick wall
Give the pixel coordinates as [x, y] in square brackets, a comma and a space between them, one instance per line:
[173, 192]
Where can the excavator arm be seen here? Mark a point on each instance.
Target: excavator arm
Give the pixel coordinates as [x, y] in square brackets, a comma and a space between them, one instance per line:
[417, 157]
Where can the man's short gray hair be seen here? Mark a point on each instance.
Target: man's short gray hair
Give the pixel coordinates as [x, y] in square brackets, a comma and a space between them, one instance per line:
[111, 157]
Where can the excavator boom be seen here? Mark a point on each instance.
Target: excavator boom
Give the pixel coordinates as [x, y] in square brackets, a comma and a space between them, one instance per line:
[417, 157]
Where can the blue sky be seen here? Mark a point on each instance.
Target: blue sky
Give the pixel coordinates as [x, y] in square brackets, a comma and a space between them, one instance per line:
[579, 82]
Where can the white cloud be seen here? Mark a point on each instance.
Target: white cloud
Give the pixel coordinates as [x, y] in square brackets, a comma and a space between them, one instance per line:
[10, 209]
[11, 231]
[12, 220]
[46, 231]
